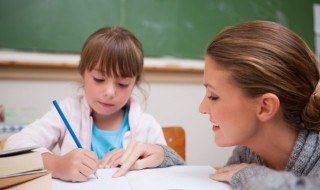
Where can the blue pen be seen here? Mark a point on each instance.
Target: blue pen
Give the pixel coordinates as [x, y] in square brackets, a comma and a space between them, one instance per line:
[55, 103]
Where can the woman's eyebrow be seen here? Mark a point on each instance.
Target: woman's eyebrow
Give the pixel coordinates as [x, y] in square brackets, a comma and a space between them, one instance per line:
[207, 85]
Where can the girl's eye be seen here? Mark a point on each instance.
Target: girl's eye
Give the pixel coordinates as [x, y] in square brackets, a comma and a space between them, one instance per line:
[213, 98]
[123, 85]
[98, 79]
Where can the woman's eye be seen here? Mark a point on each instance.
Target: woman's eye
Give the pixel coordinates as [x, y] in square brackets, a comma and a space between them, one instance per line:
[213, 97]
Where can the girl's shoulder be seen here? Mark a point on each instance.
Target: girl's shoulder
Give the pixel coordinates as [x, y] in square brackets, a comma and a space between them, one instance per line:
[138, 116]
[74, 103]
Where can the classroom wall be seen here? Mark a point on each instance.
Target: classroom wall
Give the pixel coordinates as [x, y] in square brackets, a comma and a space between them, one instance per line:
[170, 103]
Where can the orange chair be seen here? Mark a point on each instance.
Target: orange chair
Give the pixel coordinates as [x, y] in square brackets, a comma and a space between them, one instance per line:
[175, 137]
[2, 143]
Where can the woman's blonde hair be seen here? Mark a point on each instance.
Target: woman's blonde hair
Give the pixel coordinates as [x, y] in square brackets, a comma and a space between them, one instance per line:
[266, 57]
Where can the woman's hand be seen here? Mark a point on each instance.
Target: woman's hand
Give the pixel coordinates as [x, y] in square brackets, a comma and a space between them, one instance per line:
[77, 165]
[111, 159]
[138, 156]
[225, 174]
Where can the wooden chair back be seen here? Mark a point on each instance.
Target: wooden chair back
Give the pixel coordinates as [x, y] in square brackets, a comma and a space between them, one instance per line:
[175, 137]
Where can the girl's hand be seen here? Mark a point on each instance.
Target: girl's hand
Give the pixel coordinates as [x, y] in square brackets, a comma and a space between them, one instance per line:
[75, 166]
[111, 159]
[225, 174]
[140, 155]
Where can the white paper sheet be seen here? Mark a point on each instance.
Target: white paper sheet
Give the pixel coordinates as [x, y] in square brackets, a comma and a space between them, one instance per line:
[176, 177]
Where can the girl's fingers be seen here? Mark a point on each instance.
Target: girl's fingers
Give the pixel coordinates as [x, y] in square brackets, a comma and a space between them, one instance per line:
[126, 164]
[130, 156]
[108, 158]
[144, 163]
[85, 170]
[129, 150]
[90, 155]
[142, 155]
[79, 177]
[115, 160]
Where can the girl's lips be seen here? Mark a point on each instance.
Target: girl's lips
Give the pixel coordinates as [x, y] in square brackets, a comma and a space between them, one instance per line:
[105, 104]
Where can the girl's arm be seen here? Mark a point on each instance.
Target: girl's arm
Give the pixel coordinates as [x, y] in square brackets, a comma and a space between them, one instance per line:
[44, 132]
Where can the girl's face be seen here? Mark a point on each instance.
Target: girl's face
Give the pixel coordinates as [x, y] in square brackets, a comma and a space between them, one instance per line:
[106, 95]
[232, 114]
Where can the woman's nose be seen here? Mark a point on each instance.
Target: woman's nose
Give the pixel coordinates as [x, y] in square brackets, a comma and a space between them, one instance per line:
[202, 107]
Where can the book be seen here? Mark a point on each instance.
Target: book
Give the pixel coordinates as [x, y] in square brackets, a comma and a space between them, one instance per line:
[16, 161]
[175, 177]
[33, 180]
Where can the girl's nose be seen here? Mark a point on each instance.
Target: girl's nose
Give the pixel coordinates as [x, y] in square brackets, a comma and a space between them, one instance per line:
[109, 91]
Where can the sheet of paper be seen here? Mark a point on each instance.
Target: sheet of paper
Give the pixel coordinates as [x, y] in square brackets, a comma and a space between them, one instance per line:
[176, 177]
[104, 181]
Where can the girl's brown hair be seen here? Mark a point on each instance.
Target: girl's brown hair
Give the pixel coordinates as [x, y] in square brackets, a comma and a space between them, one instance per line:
[266, 57]
[116, 51]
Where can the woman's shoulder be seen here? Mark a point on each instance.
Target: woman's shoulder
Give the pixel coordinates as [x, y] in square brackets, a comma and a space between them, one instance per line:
[240, 149]
[244, 154]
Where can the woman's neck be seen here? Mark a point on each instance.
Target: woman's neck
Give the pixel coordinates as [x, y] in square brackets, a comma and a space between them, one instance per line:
[275, 144]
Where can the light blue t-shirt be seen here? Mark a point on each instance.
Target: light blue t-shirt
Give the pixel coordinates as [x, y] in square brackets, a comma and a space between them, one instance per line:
[103, 141]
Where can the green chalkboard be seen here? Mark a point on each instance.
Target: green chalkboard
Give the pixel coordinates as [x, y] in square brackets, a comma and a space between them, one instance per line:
[178, 28]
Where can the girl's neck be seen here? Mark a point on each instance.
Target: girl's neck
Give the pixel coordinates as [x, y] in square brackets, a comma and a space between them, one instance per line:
[110, 122]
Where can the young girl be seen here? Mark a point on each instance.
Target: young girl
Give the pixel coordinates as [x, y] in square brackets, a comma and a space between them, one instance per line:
[105, 119]
[262, 94]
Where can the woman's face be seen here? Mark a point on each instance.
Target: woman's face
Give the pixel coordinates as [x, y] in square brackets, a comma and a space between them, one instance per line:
[232, 114]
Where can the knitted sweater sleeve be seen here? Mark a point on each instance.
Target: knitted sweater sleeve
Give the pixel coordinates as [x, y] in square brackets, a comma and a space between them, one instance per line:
[171, 158]
[263, 178]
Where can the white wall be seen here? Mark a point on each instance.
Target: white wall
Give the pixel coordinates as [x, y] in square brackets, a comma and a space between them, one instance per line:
[170, 103]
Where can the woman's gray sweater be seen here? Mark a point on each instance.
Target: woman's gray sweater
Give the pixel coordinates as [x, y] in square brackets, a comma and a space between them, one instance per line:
[302, 170]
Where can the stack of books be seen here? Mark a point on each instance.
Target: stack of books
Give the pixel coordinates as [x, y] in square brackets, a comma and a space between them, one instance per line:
[23, 169]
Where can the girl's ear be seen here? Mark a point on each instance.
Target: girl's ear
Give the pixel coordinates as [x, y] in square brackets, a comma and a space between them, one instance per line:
[269, 106]
[82, 78]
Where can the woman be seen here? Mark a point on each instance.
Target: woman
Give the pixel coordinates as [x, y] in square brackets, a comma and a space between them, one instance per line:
[262, 95]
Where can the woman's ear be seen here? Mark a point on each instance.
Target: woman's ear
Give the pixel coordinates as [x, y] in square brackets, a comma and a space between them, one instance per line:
[269, 106]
